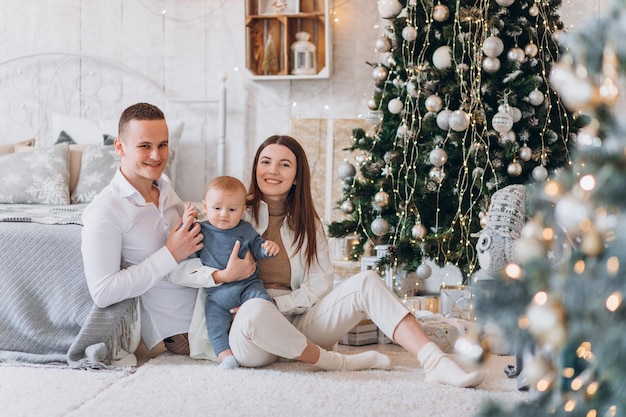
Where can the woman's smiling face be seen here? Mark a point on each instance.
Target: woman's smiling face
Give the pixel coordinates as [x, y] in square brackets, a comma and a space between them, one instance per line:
[276, 171]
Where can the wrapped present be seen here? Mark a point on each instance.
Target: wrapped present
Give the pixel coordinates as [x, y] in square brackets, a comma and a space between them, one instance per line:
[422, 302]
[456, 301]
[364, 333]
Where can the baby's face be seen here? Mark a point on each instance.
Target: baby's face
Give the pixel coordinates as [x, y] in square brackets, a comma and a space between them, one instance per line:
[224, 208]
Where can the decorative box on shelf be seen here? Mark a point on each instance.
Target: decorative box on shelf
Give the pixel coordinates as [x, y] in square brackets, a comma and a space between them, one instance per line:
[456, 301]
[364, 333]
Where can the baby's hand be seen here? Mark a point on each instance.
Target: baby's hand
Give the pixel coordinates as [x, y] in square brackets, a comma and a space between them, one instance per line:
[271, 248]
[190, 210]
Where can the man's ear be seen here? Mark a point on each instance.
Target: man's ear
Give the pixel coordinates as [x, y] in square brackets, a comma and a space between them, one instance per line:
[118, 146]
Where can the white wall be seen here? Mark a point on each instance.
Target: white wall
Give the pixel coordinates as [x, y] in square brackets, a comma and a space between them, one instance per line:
[185, 48]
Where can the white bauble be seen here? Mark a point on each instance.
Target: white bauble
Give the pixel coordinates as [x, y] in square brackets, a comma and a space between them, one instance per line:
[526, 249]
[493, 46]
[401, 131]
[395, 105]
[412, 88]
[433, 103]
[533, 10]
[389, 8]
[441, 13]
[383, 44]
[580, 98]
[505, 3]
[570, 212]
[409, 33]
[525, 153]
[514, 169]
[418, 231]
[491, 65]
[516, 54]
[459, 120]
[531, 50]
[423, 271]
[442, 57]
[515, 113]
[535, 97]
[443, 119]
[540, 173]
[438, 157]
[346, 170]
[380, 226]
[507, 137]
[502, 122]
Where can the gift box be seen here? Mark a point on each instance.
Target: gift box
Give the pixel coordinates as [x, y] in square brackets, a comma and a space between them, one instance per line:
[422, 302]
[456, 301]
[364, 333]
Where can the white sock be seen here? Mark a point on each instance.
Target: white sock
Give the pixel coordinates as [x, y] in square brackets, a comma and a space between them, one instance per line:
[229, 362]
[333, 361]
[439, 367]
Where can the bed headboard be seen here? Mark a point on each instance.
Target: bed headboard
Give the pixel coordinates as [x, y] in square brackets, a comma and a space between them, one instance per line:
[37, 88]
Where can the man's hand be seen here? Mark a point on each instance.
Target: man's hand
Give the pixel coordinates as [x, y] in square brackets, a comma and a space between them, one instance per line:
[185, 240]
[236, 268]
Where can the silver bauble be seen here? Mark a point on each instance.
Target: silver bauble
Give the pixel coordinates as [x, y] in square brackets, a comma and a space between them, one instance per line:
[516, 54]
[395, 106]
[345, 170]
[540, 173]
[433, 103]
[533, 10]
[383, 44]
[493, 46]
[459, 120]
[381, 199]
[392, 156]
[443, 118]
[525, 153]
[418, 231]
[491, 65]
[438, 157]
[502, 122]
[531, 50]
[423, 271]
[347, 207]
[507, 137]
[372, 104]
[409, 33]
[389, 8]
[505, 3]
[380, 74]
[514, 169]
[571, 212]
[380, 226]
[442, 58]
[437, 174]
[441, 13]
[535, 97]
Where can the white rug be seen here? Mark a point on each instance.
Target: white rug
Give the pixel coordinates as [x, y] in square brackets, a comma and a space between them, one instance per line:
[175, 386]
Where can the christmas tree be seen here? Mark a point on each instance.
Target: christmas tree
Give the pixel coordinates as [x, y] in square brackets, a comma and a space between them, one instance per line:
[465, 108]
[571, 309]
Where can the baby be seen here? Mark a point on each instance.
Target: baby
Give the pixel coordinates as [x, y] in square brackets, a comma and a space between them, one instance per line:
[224, 203]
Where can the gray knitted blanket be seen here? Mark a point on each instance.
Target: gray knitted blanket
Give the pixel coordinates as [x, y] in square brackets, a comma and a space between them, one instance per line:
[46, 312]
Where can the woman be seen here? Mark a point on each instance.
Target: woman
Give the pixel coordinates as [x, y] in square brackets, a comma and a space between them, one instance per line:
[300, 280]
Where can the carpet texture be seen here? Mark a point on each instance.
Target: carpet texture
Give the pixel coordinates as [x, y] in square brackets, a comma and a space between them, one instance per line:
[178, 386]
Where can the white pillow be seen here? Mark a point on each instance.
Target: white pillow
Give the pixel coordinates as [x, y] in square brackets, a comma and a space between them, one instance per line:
[40, 176]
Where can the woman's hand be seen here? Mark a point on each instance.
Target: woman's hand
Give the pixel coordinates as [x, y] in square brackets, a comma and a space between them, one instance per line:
[185, 240]
[236, 268]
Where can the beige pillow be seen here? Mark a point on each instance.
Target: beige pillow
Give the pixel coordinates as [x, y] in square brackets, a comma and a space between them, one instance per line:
[10, 147]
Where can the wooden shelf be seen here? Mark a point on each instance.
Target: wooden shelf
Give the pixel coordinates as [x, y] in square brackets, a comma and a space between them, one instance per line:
[267, 28]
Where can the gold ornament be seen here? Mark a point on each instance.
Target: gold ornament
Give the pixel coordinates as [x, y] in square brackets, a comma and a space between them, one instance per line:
[381, 199]
[441, 13]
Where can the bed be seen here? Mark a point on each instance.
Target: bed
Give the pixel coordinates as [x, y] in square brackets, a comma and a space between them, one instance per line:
[58, 117]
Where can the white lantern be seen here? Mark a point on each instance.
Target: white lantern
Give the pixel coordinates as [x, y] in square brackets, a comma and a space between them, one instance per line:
[304, 57]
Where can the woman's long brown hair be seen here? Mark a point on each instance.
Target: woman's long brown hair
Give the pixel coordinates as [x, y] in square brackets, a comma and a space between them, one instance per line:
[301, 214]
